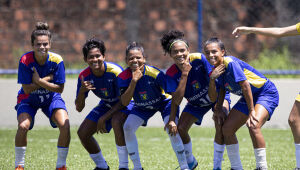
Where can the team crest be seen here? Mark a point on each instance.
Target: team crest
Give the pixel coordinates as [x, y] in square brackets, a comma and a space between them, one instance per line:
[143, 95]
[228, 86]
[195, 85]
[104, 92]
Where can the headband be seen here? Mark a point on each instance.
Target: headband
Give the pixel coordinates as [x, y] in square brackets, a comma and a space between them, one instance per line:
[179, 40]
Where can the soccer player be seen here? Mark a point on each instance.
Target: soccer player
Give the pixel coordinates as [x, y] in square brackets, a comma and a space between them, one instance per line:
[100, 77]
[42, 75]
[294, 117]
[259, 98]
[146, 85]
[189, 78]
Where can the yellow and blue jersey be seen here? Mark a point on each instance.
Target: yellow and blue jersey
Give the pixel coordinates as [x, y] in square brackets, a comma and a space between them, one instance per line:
[54, 65]
[298, 27]
[106, 86]
[196, 91]
[149, 92]
[236, 71]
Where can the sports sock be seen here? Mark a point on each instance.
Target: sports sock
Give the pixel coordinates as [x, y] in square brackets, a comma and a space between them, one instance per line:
[261, 158]
[123, 156]
[131, 124]
[20, 156]
[62, 153]
[234, 156]
[297, 153]
[218, 155]
[188, 152]
[99, 160]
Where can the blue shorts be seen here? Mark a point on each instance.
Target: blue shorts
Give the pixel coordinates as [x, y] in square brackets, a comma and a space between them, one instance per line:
[268, 97]
[101, 109]
[56, 103]
[197, 111]
[146, 114]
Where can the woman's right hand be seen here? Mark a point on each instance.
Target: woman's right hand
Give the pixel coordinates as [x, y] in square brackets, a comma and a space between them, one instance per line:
[171, 125]
[219, 115]
[217, 72]
[86, 85]
[137, 74]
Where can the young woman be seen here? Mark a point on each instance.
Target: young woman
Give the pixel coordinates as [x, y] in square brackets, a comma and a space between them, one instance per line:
[100, 77]
[42, 75]
[294, 117]
[146, 85]
[259, 98]
[189, 78]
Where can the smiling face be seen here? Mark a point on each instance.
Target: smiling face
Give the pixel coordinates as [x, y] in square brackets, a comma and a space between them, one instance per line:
[41, 46]
[214, 54]
[179, 52]
[135, 59]
[95, 60]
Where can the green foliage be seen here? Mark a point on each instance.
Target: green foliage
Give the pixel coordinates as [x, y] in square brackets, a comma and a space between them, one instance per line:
[154, 147]
[275, 60]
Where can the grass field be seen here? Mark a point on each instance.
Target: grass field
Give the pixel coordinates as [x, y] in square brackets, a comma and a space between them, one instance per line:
[154, 145]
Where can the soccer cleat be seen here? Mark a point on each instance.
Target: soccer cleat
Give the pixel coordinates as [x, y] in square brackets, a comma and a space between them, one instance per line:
[123, 169]
[261, 168]
[62, 168]
[19, 167]
[102, 168]
[297, 169]
[217, 169]
[193, 164]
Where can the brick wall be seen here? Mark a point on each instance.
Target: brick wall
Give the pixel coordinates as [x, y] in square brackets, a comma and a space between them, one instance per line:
[118, 22]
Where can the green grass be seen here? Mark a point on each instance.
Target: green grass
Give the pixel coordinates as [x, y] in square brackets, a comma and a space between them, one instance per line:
[155, 149]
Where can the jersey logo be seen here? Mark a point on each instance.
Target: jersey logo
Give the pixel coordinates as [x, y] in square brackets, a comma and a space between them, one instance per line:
[143, 95]
[195, 85]
[104, 92]
[228, 87]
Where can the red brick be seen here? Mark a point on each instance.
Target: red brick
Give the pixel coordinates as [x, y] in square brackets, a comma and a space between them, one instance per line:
[23, 26]
[102, 4]
[120, 4]
[160, 25]
[19, 14]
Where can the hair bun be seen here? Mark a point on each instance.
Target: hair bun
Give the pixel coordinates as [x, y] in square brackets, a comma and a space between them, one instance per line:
[42, 26]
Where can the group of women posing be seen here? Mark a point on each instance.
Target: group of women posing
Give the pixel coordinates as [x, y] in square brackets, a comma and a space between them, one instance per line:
[128, 98]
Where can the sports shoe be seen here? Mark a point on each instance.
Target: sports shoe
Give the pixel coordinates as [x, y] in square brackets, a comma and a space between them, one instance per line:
[62, 168]
[297, 169]
[217, 169]
[193, 164]
[123, 169]
[102, 168]
[261, 168]
[19, 167]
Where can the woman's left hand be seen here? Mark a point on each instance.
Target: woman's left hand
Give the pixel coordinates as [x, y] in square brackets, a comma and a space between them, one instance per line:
[252, 121]
[35, 76]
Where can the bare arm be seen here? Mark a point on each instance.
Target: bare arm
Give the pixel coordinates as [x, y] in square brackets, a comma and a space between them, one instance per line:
[28, 88]
[247, 93]
[128, 94]
[212, 92]
[80, 99]
[272, 31]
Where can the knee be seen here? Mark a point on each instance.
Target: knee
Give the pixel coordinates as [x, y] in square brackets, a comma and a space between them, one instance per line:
[81, 134]
[117, 123]
[23, 127]
[65, 127]
[255, 130]
[127, 128]
[292, 121]
[227, 131]
[182, 129]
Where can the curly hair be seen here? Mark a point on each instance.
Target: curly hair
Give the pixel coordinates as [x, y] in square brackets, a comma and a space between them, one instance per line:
[170, 37]
[93, 43]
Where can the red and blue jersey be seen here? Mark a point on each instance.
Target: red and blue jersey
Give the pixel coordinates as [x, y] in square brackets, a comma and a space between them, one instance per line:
[149, 92]
[107, 88]
[236, 71]
[196, 91]
[54, 65]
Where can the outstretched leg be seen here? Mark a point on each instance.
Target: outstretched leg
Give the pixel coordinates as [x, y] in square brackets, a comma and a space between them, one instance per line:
[132, 123]
[24, 121]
